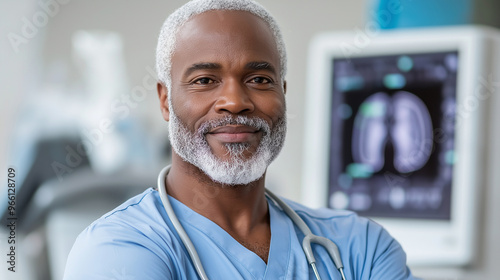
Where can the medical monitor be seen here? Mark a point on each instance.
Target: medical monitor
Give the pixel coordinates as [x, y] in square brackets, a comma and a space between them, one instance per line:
[395, 127]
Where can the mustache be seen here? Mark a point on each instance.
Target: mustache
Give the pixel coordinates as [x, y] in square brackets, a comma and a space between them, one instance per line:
[254, 122]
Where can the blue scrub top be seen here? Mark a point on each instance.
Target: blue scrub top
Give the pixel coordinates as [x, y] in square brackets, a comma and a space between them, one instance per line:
[137, 241]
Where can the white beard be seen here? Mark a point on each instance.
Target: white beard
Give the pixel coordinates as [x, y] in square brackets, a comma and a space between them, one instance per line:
[193, 148]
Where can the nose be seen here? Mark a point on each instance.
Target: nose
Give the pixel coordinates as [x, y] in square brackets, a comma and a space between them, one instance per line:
[234, 98]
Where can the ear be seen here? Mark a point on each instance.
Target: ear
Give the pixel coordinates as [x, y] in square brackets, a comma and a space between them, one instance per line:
[284, 87]
[163, 96]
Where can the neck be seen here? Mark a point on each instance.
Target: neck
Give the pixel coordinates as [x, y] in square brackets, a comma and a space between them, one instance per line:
[237, 209]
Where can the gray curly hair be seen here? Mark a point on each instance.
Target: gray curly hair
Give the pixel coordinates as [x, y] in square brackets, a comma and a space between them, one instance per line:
[168, 32]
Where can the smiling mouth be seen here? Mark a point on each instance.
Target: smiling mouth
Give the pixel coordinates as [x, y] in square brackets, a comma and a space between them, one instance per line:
[234, 133]
[233, 129]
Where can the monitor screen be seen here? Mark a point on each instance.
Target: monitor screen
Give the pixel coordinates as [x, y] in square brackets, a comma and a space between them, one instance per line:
[399, 129]
[392, 135]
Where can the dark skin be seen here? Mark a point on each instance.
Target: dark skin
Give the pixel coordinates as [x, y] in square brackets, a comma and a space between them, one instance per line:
[225, 63]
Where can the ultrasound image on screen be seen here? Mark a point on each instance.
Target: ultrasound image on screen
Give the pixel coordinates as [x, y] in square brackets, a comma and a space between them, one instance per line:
[392, 136]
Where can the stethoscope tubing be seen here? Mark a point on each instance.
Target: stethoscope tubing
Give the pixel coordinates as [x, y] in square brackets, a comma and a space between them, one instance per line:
[177, 225]
[309, 238]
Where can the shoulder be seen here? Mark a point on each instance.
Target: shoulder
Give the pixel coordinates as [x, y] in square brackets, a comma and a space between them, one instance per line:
[141, 218]
[338, 220]
[345, 226]
[138, 215]
[142, 206]
[367, 249]
[124, 241]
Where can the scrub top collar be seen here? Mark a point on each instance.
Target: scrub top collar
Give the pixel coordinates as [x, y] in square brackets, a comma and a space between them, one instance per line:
[280, 252]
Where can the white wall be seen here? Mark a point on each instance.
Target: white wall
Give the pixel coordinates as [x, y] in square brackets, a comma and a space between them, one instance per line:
[138, 22]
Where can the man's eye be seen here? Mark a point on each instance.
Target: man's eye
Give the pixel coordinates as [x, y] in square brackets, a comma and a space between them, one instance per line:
[204, 81]
[261, 80]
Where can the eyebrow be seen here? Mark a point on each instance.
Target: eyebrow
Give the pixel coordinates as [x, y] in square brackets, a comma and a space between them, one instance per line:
[254, 65]
[260, 65]
[202, 66]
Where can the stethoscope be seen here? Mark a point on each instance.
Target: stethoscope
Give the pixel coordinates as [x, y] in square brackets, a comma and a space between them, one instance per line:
[309, 238]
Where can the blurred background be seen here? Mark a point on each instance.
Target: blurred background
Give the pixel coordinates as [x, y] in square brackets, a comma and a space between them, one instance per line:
[81, 127]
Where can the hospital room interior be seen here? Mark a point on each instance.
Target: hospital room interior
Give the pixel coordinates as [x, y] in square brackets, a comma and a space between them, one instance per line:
[393, 109]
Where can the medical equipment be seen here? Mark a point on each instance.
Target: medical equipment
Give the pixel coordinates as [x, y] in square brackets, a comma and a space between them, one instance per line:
[402, 128]
[309, 238]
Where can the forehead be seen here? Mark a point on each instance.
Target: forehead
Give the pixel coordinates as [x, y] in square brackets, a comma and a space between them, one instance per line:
[225, 34]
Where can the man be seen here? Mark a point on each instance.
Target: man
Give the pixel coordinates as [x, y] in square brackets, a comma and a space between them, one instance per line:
[221, 66]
